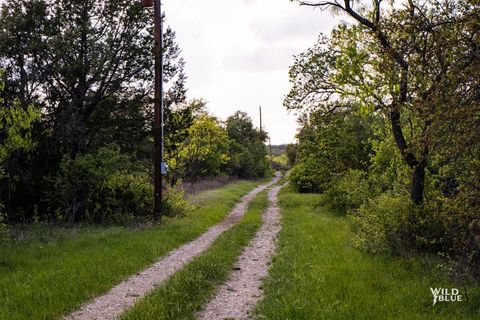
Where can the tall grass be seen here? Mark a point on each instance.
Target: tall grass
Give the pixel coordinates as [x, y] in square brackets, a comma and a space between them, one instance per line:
[45, 277]
[317, 274]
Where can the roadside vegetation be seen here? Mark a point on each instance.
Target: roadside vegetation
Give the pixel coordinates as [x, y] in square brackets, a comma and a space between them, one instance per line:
[327, 278]
[76, 153]
[384, 201]
[76, 117]
[389, 127]
[47, 271]
[190, 288]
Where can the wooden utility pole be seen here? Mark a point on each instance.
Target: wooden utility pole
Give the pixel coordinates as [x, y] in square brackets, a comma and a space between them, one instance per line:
[159, 163]
[271, 154]
[260, 109]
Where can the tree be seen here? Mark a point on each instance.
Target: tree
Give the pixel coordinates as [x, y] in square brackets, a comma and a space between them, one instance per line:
[79, 58]
[204, 151]
[88, 66]
[400, 63]
[330, 145]
[15, 136]
[179, 119]
[415, 67]
[247, 147]
[291, 151]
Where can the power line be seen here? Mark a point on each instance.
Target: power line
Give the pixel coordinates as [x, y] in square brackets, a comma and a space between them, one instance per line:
[183, 20]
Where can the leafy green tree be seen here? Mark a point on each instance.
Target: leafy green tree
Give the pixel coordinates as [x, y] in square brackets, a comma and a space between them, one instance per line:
[401, 61]
[204, 151]
[329, 145]
[15, 136]
[416, 66]
[88, 65]
[247, 147]
[291, 152]
[15, 128]
[179, 119]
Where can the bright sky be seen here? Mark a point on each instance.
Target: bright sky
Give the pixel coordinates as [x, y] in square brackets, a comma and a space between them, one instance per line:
[238, 53]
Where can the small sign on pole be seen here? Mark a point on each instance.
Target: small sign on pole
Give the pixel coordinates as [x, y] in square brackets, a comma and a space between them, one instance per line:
[163, 168]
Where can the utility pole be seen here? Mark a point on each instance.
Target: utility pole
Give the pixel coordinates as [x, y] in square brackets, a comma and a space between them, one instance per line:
[271, 154]
[158, 128]
[260, 109]
[261, 131]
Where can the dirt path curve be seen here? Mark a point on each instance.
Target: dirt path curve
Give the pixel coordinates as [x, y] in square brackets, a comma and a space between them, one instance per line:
[123, 296]
[236, 297]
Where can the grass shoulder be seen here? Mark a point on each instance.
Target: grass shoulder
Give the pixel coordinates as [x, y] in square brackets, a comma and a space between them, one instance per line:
[52, 271]
[318, 274]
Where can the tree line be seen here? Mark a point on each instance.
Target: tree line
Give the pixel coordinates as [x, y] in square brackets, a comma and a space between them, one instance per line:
[390, 120]
[76, 115]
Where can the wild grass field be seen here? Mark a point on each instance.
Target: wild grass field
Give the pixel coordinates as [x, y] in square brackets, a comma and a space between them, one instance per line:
[54, 270]
[318, 274]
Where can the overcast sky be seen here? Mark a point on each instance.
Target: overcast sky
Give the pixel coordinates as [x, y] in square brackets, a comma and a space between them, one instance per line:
[238, 53]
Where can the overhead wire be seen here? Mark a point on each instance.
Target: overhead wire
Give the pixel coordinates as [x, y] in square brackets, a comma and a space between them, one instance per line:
[183, 20]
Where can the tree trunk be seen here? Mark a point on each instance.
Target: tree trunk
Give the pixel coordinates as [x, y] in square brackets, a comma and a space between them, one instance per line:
[418, 167]
[418, 183]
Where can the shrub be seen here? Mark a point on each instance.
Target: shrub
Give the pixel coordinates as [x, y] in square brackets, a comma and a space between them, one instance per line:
[348, 191]
[123, 196]
[384, 224]
[309, 176]
[451, 227]
[3, 226]
[100, 187]
[174, 203]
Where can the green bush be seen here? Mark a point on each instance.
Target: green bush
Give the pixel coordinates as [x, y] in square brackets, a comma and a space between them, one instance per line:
[3, 226]
[348, 191]
[123, 197]
[100, 187]
[309, 176]
[174, 203]
[451, 227]
[384, 224]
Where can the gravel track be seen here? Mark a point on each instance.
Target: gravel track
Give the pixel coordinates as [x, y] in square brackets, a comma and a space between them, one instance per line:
[125, 294]
[236, 297]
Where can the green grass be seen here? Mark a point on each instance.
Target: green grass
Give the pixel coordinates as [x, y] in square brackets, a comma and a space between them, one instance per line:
[45, 277]
[189, 289]
[317, 274]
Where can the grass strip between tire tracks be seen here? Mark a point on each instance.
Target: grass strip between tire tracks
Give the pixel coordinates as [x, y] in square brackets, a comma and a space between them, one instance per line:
[190, 288]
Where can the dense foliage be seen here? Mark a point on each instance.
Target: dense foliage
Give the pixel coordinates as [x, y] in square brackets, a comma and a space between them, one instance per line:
[15, 136]
[204, 151]
[77, 112]
[402, 158]
[247, 148]
[331, 144]
[105, 186]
